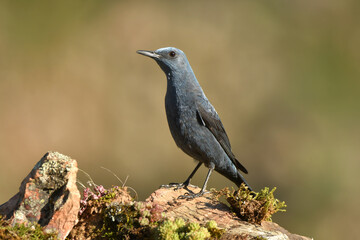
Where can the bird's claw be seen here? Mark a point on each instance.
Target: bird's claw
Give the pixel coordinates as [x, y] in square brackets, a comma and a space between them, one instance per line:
[177, 186]
[191, 195]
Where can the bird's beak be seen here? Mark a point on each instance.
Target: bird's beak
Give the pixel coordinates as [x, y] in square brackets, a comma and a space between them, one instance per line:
[148, 54]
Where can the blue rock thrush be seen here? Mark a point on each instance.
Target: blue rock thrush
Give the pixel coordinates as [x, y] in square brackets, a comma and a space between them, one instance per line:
[193, 121]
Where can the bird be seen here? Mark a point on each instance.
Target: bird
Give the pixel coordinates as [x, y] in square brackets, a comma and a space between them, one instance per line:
[193, 122]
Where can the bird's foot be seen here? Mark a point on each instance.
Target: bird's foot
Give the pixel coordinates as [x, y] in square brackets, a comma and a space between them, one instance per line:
[177, 186]
[191, 195]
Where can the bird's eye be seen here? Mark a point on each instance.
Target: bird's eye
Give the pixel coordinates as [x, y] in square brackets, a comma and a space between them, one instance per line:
[172, 54]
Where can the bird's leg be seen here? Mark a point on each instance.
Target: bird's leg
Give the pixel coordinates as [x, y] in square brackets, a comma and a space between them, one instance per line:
[203, 189]
[184, 184]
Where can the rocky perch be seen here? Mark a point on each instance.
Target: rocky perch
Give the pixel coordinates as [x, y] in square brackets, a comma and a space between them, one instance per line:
[48, 205]
[48, 196]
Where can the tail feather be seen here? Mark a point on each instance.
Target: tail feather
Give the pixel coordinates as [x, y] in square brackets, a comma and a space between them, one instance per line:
[241, 180]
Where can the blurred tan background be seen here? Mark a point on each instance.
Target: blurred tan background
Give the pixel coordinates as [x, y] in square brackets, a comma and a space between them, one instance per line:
[283, 76]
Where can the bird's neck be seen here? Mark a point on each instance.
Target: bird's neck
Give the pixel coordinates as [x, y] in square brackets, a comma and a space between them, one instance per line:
[182, 87]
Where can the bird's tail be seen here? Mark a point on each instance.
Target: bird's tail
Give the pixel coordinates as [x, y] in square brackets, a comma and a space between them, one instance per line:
[240, 179]
[229, 171]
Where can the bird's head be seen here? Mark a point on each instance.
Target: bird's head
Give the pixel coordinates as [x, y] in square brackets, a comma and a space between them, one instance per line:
[170, 59]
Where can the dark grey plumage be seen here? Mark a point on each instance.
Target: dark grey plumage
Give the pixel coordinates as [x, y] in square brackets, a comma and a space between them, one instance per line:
[193, 121]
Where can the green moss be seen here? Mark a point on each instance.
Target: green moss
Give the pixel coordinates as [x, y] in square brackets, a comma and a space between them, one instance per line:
[214, 230]
[180, 230]
[110, 195]
[195, 231]
[22, 231]
[253, 207]
[169, 230]
[270, 204]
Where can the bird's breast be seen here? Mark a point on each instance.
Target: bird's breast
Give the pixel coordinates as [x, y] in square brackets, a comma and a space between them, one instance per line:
[181, 118]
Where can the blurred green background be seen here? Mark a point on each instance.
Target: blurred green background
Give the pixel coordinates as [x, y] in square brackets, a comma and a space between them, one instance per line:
[283, 75]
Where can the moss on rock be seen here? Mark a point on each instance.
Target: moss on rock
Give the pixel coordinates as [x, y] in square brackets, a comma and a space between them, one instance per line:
[253, 207]
[23, 231]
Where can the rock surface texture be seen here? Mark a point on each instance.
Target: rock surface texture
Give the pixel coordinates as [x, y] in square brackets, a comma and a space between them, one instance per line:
[47, 196]
[204, 209]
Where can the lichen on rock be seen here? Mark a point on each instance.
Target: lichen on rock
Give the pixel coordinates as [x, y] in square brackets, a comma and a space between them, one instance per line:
[48, 196]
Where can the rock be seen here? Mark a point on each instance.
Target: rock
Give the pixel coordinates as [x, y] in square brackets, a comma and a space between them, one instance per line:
[47, 196]
[205, 208]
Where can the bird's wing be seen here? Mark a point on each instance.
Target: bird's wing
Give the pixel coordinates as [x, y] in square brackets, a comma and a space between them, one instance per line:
[210, 119]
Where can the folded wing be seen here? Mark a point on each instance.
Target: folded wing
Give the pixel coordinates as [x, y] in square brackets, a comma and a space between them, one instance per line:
[210, 119]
